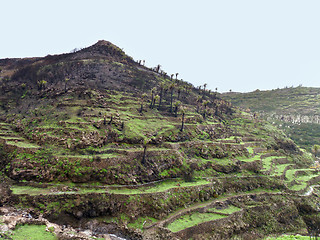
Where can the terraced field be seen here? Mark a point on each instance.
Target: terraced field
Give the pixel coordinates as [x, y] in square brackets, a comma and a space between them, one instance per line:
[194, 215]
[75, 130]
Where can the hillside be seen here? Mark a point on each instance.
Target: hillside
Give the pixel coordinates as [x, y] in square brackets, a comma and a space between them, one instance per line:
[94, 143]
[294, 110]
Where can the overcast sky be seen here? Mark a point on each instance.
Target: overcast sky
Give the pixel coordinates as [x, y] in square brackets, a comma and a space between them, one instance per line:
[241, 45]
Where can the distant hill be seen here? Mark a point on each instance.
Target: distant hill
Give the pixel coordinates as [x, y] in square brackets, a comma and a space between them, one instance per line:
[295, 110]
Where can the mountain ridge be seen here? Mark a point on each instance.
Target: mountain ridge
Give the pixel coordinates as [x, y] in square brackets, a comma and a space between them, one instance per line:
[294, 110]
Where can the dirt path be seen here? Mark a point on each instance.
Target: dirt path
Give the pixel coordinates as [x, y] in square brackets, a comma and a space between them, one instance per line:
[176, 214]
[181, 211]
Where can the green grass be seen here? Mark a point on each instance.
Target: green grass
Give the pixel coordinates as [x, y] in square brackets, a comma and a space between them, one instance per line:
[226, 139]
[19, 190]
[250, 150]
[303, 181]
[91, 157]
[140, 128]
[252, 159]
[267, 162]
[229, 210]
[161, 187]
[32, 232]
[257, 191]
[280, 169]
[75, 119]
[191, 220]
[288, 237]
[81, 191]
[29, 190]
[12, 138]
[222, 161]
[22, 144]
[298, 187]
[290, 174]
[142, 222]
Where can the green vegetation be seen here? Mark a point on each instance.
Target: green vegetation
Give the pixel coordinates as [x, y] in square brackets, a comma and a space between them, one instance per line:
[29, 190]
[288, 237]
[161, 187]
[228, 210]
[294, 110]
[22, 144]
[32, 232]
[18, 190]
[142, 222]
[192, 220]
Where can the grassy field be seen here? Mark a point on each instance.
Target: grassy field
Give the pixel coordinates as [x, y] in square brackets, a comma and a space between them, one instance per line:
[32, 232]
[228, 210]
[160, 187]
[19, 190]
[288, 237]
[192, 220]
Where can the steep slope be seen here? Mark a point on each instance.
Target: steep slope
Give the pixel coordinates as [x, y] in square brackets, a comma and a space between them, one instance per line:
[95, 139]
[294, 110]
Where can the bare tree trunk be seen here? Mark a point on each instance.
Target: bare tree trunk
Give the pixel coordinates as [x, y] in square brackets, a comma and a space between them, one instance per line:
[141, 108]
[161, 93]
[110, 120]
[182, 122]
[144, 154]
[151, 104]
[171, 100]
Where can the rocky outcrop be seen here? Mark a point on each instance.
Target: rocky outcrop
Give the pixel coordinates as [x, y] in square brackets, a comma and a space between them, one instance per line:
[11, 218]
[5, 192]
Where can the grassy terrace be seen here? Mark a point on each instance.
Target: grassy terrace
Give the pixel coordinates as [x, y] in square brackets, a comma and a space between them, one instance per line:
[91, 157]
[252, 159]
[34, 232]
[229, 210]
[142, 222]
[11, 138]
[267, 162]
[19, 190]
[301, 180]
[289, 237]
[22, 144]
[191, 220]
[280, 169]
[159, 187]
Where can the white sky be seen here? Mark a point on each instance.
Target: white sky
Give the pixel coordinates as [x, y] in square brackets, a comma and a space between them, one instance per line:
[241, 45]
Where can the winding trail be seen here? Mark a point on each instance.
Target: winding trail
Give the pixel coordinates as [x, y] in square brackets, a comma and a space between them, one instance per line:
[200, 205]
[181, 212]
